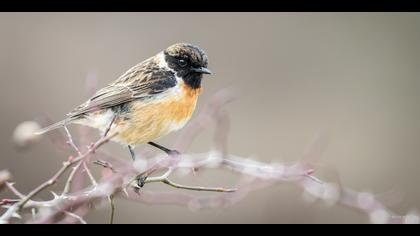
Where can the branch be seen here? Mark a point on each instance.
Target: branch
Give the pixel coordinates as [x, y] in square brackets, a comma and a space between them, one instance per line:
[164, 179]
[16, 192]
[4, 177]
[78, 218]
[105, 165]
[254, 175]
[71, 142]
[66, 165]
[89, 174]
[82, 162]
[195, 188]
[112, 204]
[69, 181]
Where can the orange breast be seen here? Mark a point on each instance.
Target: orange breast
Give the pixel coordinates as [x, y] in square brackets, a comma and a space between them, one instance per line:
[153, 119]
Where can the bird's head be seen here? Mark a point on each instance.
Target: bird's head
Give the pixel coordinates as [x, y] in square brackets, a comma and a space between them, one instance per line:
[189, 62]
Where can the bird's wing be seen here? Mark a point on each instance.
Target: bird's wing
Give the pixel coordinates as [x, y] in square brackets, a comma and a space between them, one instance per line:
[137, 83]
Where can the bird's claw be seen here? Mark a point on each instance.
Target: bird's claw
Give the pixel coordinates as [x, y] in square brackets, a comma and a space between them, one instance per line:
[141, 181]
[174, 153]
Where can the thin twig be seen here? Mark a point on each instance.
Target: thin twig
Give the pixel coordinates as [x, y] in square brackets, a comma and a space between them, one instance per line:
[69, 182]
[4, 177]
[80, 219]
[82, 201]
[5, 202]
[105, 164]
[14, 190]
[197, 188]
[71, 142]
[82, 162]
[66, 165]
[164, 179]
[112, 204]
[109, 126]
[89, 174]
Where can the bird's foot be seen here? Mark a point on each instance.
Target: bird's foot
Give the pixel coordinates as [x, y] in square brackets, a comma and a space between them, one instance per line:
[173, 153]
[141, 180]
[166, 150]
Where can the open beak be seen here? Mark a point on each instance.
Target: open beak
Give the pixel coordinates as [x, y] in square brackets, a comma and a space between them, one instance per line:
[202, 70]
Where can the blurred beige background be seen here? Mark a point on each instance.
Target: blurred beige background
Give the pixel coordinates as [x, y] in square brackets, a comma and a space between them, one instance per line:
[354, 74]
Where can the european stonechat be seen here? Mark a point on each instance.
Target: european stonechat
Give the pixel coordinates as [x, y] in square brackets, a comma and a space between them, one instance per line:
[150, 100]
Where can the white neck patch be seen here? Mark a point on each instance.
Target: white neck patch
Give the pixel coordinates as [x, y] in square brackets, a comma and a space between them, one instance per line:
[164, 65]
[162, 62]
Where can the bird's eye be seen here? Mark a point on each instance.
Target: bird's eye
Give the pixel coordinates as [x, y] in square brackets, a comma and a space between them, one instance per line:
[182, 62]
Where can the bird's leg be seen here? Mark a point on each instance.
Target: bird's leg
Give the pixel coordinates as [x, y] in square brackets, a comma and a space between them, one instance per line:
[166, 150]
[133, 155]
[142, 178]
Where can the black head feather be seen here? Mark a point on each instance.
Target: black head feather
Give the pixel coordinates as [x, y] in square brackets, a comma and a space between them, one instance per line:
[187, 60]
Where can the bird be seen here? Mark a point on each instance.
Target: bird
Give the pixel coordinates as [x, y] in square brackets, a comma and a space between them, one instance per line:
[152, 99]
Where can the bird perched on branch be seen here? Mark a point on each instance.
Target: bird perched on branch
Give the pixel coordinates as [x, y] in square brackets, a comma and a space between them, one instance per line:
[150, 100]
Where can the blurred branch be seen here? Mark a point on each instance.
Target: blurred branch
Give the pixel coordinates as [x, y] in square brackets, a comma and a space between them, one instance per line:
[4, 177]
[118, 178]
[71, 142]
[112, 204]
[78, 218]
[13, 211]
[16, 192]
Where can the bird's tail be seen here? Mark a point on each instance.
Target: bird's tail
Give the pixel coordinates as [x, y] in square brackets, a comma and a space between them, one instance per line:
[53, 126]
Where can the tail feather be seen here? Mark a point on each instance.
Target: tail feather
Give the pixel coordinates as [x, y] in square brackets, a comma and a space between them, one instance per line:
[52, 127]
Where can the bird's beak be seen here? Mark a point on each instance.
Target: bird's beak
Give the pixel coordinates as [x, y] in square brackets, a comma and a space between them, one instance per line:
[202, 70]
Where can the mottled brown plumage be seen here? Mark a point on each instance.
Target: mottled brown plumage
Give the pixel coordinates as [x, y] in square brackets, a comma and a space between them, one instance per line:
[150, 100]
